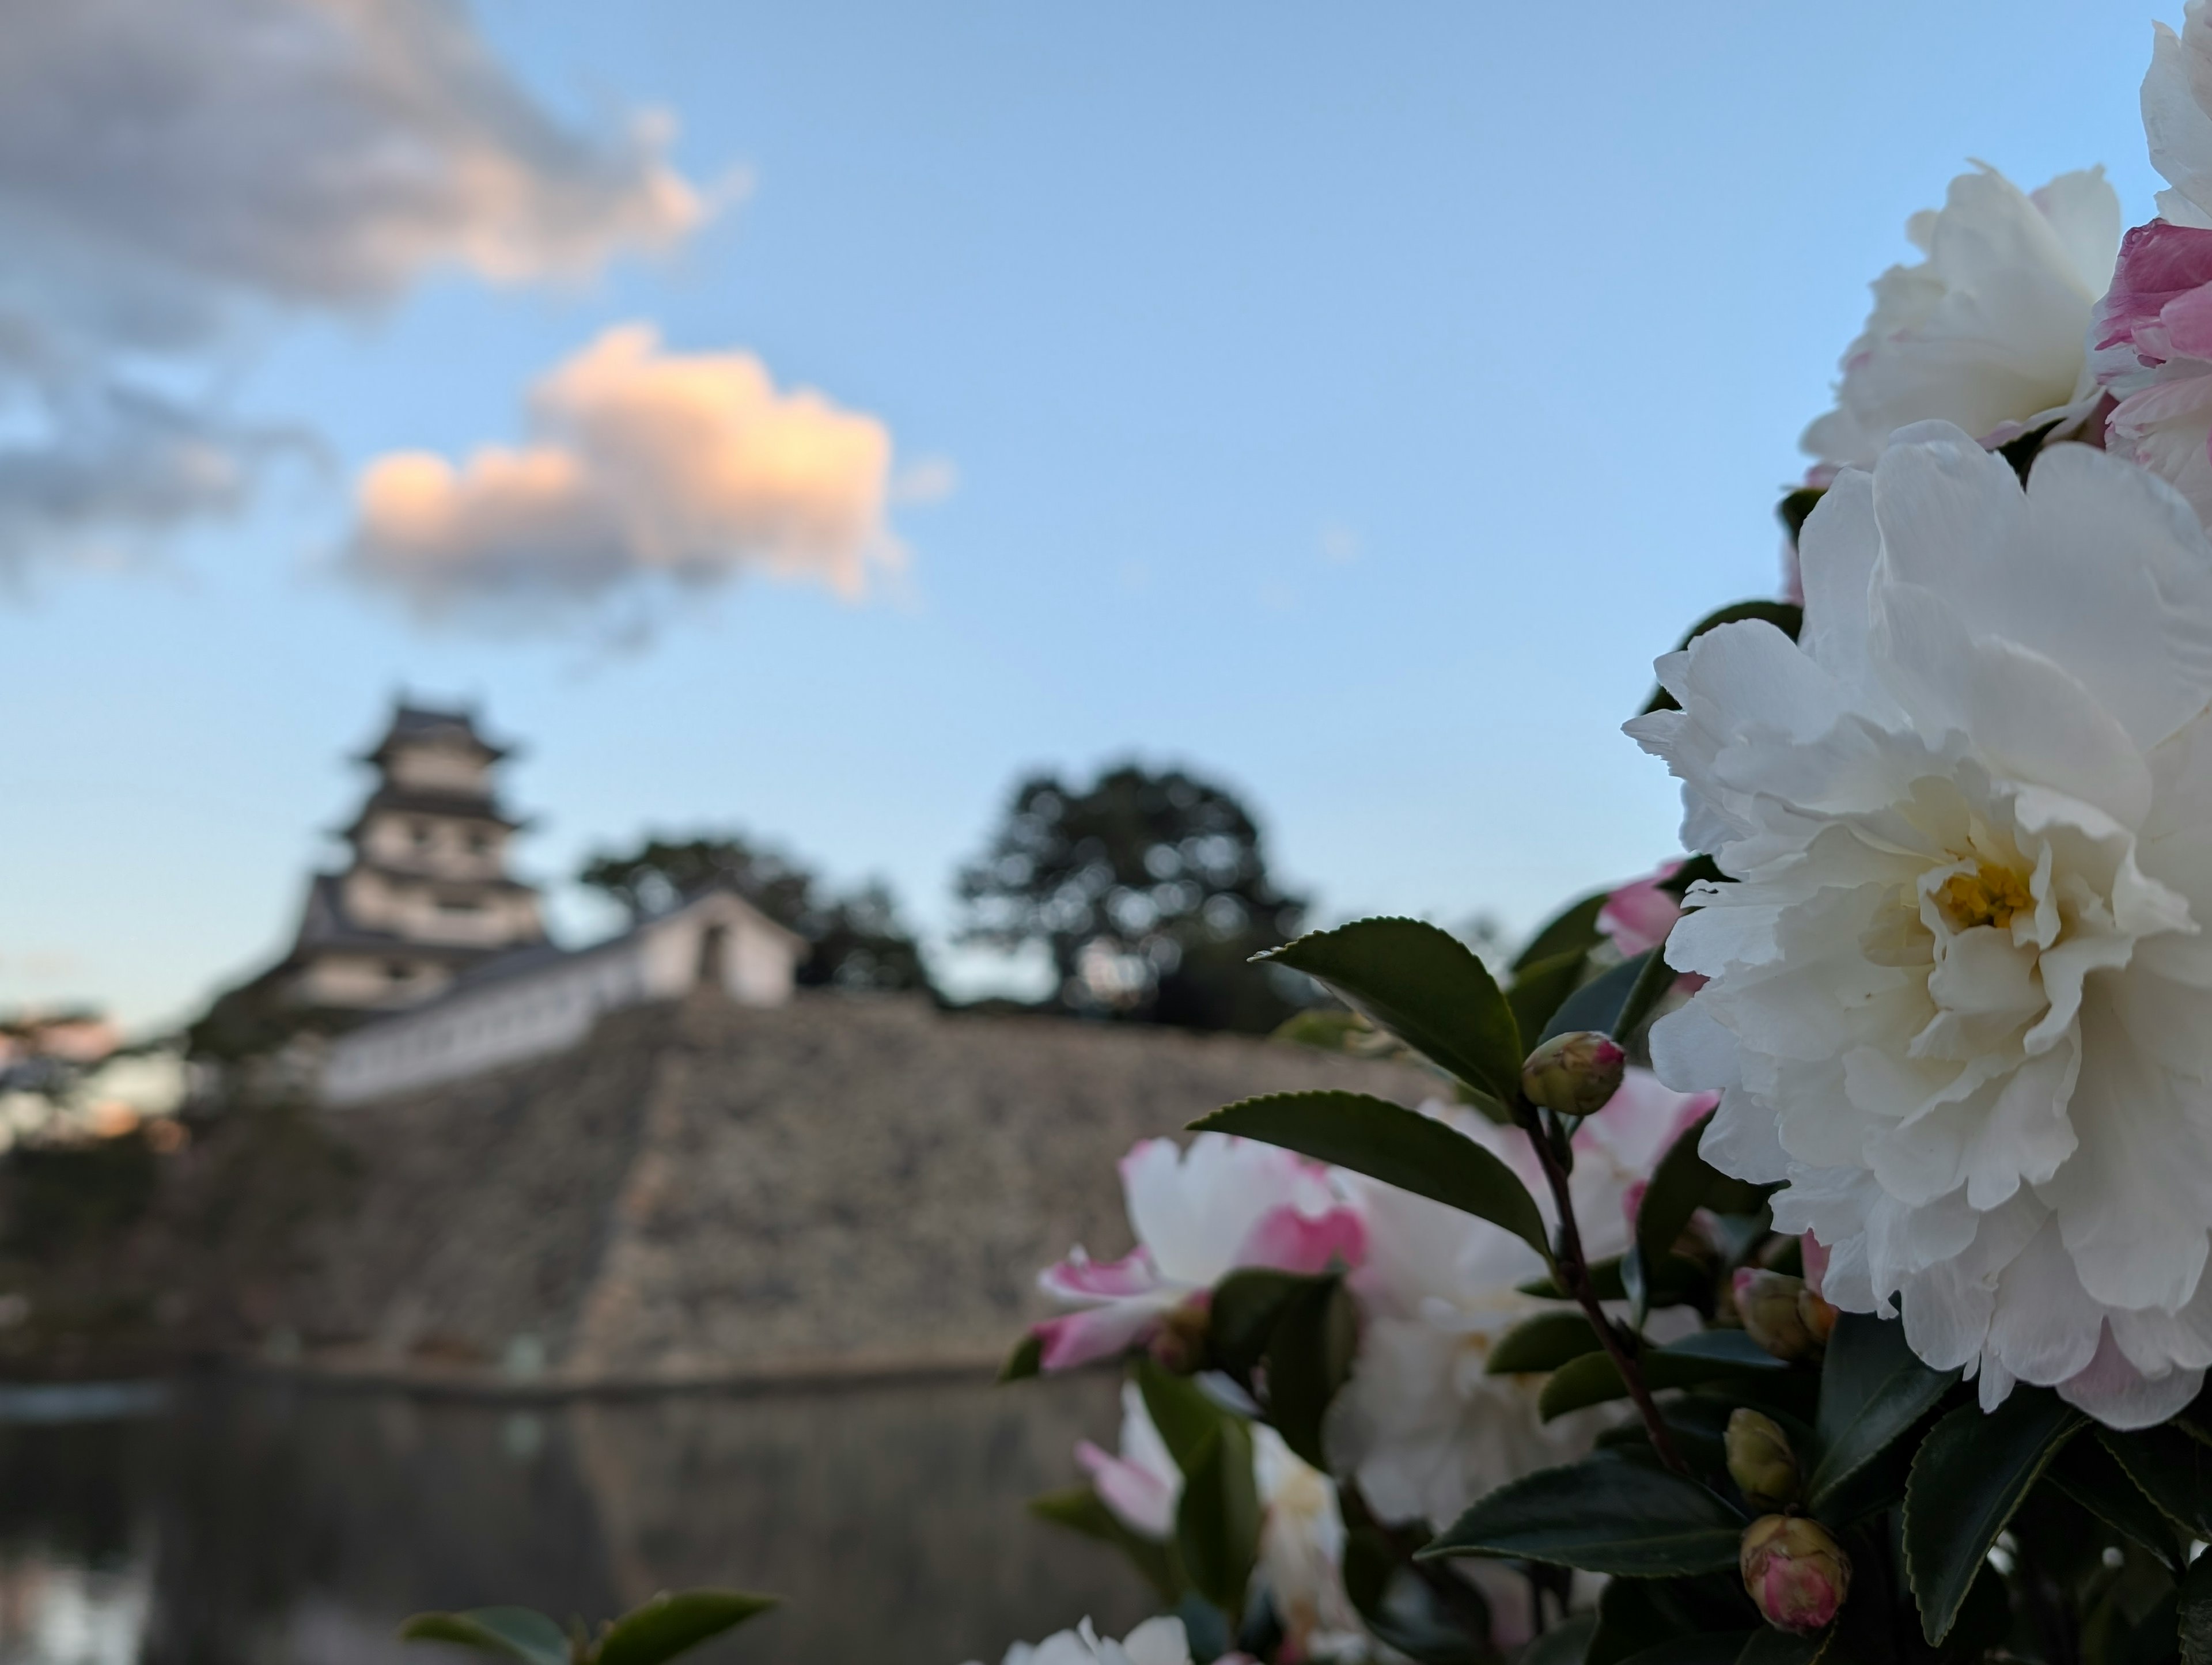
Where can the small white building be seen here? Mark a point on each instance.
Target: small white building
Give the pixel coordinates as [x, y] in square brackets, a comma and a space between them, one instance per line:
[541, 999]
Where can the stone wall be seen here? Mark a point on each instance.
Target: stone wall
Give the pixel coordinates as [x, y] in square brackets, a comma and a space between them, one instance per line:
[709, 1192]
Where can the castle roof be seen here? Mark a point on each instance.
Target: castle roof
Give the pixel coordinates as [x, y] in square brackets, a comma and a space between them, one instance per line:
[325, 926]
[416, 800]
[422, 724]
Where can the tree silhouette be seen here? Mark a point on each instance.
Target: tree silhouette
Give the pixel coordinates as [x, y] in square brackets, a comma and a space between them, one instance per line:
[1151, 893]
[858, 939]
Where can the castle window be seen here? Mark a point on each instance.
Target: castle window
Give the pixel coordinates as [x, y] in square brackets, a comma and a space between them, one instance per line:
[421, 834]
[398, 971]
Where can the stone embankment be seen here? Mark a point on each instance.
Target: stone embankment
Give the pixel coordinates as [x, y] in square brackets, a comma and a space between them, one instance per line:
[707, 1193]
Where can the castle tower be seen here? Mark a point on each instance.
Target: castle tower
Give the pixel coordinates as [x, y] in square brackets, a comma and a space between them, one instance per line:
[426, 895]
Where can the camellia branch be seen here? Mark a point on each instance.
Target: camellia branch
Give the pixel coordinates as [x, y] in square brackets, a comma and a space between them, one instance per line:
[1574, 1274]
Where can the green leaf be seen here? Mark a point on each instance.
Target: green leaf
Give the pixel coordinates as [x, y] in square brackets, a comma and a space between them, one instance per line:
[1426, 987]
[1564, 1644]
[1873, 1388]
[1309, 1359]
[1218, 1519]
[1597, 1003]
[1798, 508]
[1572, 930]
[2193, 1612]
[2088, 1473]
[1025, 1360]
[1967, 1478]
[1081, 1509]
[1403, 1611]
[1542, 1343]
[1242, 1317]
[1538, 991]
[1386, 1141]
[2173, 1471]
[1182, 1411]
[1608, 1513]
[1593, 1379]
[1644, 995]
[1678, 1279]
[674, 1622]
[515, 1633]
[1719, 1346]
[1678, 1188]
[1785, 616]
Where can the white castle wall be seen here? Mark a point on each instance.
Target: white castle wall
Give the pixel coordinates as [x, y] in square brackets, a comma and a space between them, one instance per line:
[547, 1008]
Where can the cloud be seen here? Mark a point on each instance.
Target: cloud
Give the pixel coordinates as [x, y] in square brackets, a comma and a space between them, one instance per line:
[643, 469]
[173, 173]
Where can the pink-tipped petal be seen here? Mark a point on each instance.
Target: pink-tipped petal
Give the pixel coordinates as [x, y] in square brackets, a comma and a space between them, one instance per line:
[1639, 914]
[1815, 1255]
[1287, 1240]
[1080, 1277]
[2119, 1396]
[1083, 1338]
[1141, 1500]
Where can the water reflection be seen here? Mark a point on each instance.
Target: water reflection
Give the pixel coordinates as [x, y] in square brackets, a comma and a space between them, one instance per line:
[244, 1524]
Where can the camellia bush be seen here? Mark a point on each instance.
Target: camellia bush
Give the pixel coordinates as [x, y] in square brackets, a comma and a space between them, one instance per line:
[1803, 1256]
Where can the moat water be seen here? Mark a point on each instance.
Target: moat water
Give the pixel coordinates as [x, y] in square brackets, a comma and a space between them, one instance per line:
[246, 1524]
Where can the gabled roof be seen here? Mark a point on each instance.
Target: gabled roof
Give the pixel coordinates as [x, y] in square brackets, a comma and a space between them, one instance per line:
[422, 724]
[324, 927]
[413, 801]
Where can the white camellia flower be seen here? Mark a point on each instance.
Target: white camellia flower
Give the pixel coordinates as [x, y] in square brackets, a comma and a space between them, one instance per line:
[2177, 112]
[1989, 330]
[1420, 1427]
[1960, 995]
[1302, 1534]
[1155, 1641]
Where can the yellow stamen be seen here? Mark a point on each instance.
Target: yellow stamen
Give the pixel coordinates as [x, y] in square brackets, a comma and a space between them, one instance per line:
[1988, 896]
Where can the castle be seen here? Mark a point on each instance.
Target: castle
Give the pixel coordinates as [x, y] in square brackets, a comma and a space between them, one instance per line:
[434, 959]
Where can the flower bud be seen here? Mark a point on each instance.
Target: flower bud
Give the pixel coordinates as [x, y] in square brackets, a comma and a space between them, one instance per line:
[1760, 1460]
[1773, 1311]
[1816, 1315]
[1179, 1346]
[1574, 1074]
[1798, 1575]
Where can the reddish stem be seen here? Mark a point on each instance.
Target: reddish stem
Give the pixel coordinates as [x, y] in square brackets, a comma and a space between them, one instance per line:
[1574, 1272]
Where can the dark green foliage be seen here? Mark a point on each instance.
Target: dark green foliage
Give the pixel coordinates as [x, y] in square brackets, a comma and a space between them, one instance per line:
[1426, 987]
[1611, 1512]
[1873, 1388]
[857, 940]
[1151, 893]
[1971, 1474]
[1390, 1143]
[670, 1624]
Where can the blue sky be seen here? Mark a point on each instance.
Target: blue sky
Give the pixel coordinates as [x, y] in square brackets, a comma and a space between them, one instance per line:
[1349, 405]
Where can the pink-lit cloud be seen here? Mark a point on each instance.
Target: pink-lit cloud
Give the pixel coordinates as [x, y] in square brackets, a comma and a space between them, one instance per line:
[643, 469]
[175, 174]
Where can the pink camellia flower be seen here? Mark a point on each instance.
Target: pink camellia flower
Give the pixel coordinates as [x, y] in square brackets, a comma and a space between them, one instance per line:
[2151, 342]
[1639, 914]
[1198, 1214]
[2153, 352]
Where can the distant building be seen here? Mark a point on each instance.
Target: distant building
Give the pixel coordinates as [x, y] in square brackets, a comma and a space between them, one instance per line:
[425, 960]
[545, 999]
[427, 894]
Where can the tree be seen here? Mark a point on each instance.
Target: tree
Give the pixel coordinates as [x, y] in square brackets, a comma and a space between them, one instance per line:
[859, 942]
[1149, 891]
